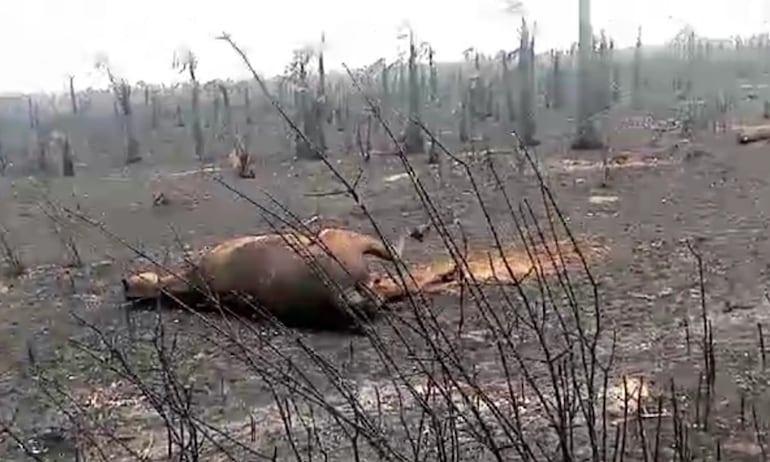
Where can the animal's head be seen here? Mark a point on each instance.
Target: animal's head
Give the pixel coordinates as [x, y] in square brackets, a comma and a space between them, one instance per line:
[141, 286]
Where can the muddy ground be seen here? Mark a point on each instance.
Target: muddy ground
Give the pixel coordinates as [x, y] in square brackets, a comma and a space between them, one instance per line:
[707, 190]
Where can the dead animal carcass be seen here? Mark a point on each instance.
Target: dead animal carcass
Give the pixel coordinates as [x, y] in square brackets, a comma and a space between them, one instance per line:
[299, 280]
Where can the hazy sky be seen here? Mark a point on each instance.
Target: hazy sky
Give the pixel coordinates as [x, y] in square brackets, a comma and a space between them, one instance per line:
[41, 41]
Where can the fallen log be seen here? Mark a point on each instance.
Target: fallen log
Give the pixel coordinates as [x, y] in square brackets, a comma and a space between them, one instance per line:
[752, 134]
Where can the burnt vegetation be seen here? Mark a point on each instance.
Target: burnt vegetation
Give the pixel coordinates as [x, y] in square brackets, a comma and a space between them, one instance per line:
[548, 352]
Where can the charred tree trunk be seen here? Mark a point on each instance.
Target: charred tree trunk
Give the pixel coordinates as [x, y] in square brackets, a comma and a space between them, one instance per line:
[604, 67]
[527, 124]
[31, 112]
[510, 107]
[318, 123]
[433, 98]
[385, 78]
[247, 105]
[322, 83]
[154, 122]
[39, 143]
[124, 101]
[73, 95]
[320, 107]
[403, 87]
[197, 129]
[463, 122]
[227, 121]
[179, 118]
[558, 81]
[3, 162]
[636, 101]
[616, 84]
[213, 122]
[586, 136]
[67, 163]
[413, 139]
[303, 150]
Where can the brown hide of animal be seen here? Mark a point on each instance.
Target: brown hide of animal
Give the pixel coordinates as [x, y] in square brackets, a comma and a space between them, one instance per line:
[276, 275]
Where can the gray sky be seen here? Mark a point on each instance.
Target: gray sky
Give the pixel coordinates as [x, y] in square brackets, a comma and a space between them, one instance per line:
[41, 41]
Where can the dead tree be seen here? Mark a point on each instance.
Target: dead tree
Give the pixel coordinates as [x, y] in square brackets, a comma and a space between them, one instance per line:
[240, 159]
[476, 88]
[189, 62]
[146, 89]
[67, 161]
[10, 256]
[510, 107]
[322, 82]
[402, 85]
[42, 152]
[228, 118]
[320, 111]
[214, 121]
[433, 98]
[31, 112]
[616, 83]
[413, 139]
[3, 161]
[364, 145]
[155, 108]
[122, 91]
[636, 83]
[527, 124]
[604, 78]
[463, 134]
[179, 118]
[556, 81]
[39, 147]
[73, 96]
[586, 136]
[308, 109]
[247, 105]
[386, 88]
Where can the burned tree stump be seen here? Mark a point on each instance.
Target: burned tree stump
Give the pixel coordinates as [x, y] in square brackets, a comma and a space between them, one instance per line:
[67, 163]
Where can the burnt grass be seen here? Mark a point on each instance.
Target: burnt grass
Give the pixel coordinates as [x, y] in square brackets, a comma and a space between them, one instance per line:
[710, 195]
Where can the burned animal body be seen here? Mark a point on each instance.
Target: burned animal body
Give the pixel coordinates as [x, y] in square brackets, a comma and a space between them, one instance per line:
[302, 282]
